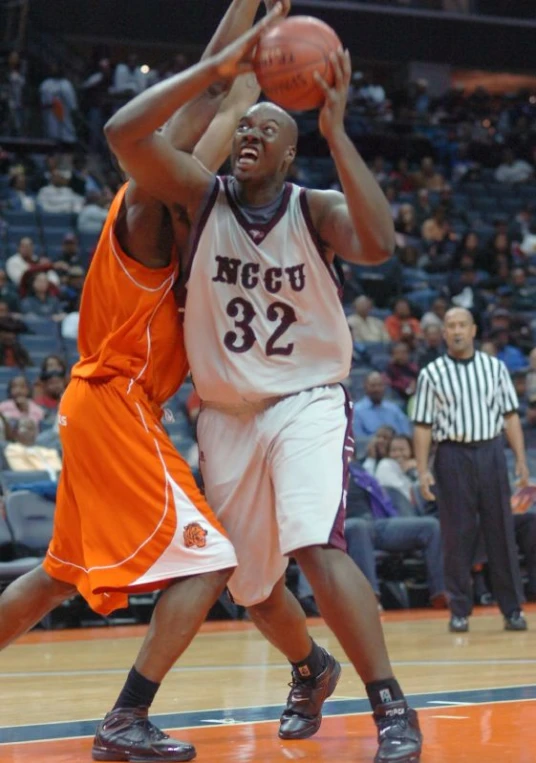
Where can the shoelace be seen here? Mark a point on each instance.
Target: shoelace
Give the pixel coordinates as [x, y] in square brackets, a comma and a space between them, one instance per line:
[395, 724]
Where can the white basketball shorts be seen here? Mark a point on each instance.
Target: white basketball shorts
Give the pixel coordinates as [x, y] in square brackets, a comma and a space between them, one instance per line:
[277, 481]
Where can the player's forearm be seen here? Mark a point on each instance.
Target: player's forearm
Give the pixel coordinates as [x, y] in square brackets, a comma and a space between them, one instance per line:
[514, 435]
[145, 113]
[238, 19]
[185, 130]
[422, 442]
[367, 205]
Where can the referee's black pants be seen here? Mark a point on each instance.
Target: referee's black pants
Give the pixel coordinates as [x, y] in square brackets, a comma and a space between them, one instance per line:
[472, 482]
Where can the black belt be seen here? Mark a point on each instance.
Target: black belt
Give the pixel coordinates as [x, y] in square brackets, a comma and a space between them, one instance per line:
[474, 444]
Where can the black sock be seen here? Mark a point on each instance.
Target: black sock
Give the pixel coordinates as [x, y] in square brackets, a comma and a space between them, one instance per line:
[382, 692]
[138, 691]
[313, 665]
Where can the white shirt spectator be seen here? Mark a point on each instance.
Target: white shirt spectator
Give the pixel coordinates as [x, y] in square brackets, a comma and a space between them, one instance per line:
[58, 102]
[91, 219]
[16, 267]
[69, 326]
[128, 79]
[57, 199]
[518, 171]
[528, 245]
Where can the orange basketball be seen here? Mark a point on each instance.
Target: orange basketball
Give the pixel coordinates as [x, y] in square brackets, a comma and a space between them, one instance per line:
[288, 55]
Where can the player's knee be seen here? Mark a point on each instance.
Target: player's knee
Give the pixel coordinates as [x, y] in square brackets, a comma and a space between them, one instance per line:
[218, 579]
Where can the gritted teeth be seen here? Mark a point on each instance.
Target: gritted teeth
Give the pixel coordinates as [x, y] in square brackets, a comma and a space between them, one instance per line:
[249, 152]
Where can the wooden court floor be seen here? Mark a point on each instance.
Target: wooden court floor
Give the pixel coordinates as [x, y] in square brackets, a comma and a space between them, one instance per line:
[476, 693]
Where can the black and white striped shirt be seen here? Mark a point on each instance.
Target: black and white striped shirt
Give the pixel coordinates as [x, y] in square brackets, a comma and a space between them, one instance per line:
[464, 400]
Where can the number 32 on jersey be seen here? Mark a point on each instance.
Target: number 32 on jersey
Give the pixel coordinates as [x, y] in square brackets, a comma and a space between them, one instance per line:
[244, 314]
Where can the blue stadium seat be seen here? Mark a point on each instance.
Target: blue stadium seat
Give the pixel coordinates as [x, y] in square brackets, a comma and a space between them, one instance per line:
[42, 327]
[62, 221]
[31, 520]
[20, 219]
[49, 344]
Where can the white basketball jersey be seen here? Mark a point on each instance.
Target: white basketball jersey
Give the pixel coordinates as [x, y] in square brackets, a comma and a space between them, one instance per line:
[263, 314]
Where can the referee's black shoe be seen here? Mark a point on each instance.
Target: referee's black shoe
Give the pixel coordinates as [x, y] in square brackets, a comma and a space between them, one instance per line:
[302, 716]
[515, 621]
[458, 624]
[399, 734]
[128, 734]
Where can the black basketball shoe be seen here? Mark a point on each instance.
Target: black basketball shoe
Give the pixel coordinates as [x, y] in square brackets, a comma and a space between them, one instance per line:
[128, 734]
[515, 621]
[303, 714]
[399, 735]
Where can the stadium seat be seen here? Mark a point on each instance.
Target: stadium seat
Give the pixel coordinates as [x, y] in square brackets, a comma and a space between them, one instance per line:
[57, 221]
[12, 568]
[20, 219]
[40, 344]
[31, 520]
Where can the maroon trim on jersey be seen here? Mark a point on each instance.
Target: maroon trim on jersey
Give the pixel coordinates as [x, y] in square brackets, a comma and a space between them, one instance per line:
[317, 241]
[336, 536]
[257, 231]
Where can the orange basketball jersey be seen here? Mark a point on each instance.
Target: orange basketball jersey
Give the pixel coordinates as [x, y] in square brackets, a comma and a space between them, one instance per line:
[129, 323]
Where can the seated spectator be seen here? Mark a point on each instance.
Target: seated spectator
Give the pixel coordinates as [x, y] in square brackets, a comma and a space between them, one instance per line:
[406, 222]
[511, 356]
[401, 325]
[528, 242]
[41, 303]
[437, 229]
[513, 170]
[399, 469]
[469, 245]
[24, 455]
[499, 247]
[12, 353]
[423, 207]
[8, 295]
[391, 194]
[365, 327]
[70, 250]
[19, 403]
[523, 295]
[465, 291]
[432, 346]
[374, 524]
[401, 372]
[436, 313]
[401, 176]
[57, 197]
[7, 432]
[18, 198]
[71, 291]
[428, 177]
[53, 387]
[93, 214]
[378, 448]
[373, 412]
[19, 262]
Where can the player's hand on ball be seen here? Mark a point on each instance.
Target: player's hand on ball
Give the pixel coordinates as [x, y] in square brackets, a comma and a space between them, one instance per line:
[332, 113]
[237, 58]
[285, 9]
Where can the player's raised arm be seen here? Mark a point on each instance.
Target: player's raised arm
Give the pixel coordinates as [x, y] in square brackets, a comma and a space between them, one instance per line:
[174, 176]
[356, 224]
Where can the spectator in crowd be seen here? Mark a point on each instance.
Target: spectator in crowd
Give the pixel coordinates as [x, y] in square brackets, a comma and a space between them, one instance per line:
[95, 91]
[428, 177]
[93, 214]
[25, 455]
[523, 294]
[378, 448]
[12, 353]
[365, 327]
[436, 313]
[82, 180]
[391, 194]
[432, 346]
[19, 262]
[373, 411]
[423, 206]
[16, 84]
[469, 246]
[437, 229]
[19, 403]
[8, 295]
[41, 303]
[402, 177]
[58, 105]
[129, 80]
[52, 388]
[401, 325]
[18, 198]
[528, 242]
[500, 247]
[406, 222]
[57, 197]
[511, 356]
[71, 291]
[465, 290]
[69, 253]
[69, 325]
[401, 372]
[513, 170]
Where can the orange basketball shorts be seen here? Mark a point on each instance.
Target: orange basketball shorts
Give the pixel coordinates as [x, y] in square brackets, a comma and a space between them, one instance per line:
[129, 515]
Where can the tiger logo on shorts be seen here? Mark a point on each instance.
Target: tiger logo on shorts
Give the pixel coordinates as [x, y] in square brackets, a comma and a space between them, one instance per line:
[195, 536]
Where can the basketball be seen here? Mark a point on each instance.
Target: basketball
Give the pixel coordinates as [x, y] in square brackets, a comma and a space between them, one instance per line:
[288, 55]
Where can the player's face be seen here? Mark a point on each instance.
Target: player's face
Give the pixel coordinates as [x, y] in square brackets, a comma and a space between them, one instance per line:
[260, 146]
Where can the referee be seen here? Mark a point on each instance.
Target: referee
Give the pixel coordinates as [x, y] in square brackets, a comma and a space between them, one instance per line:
[464, 400]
